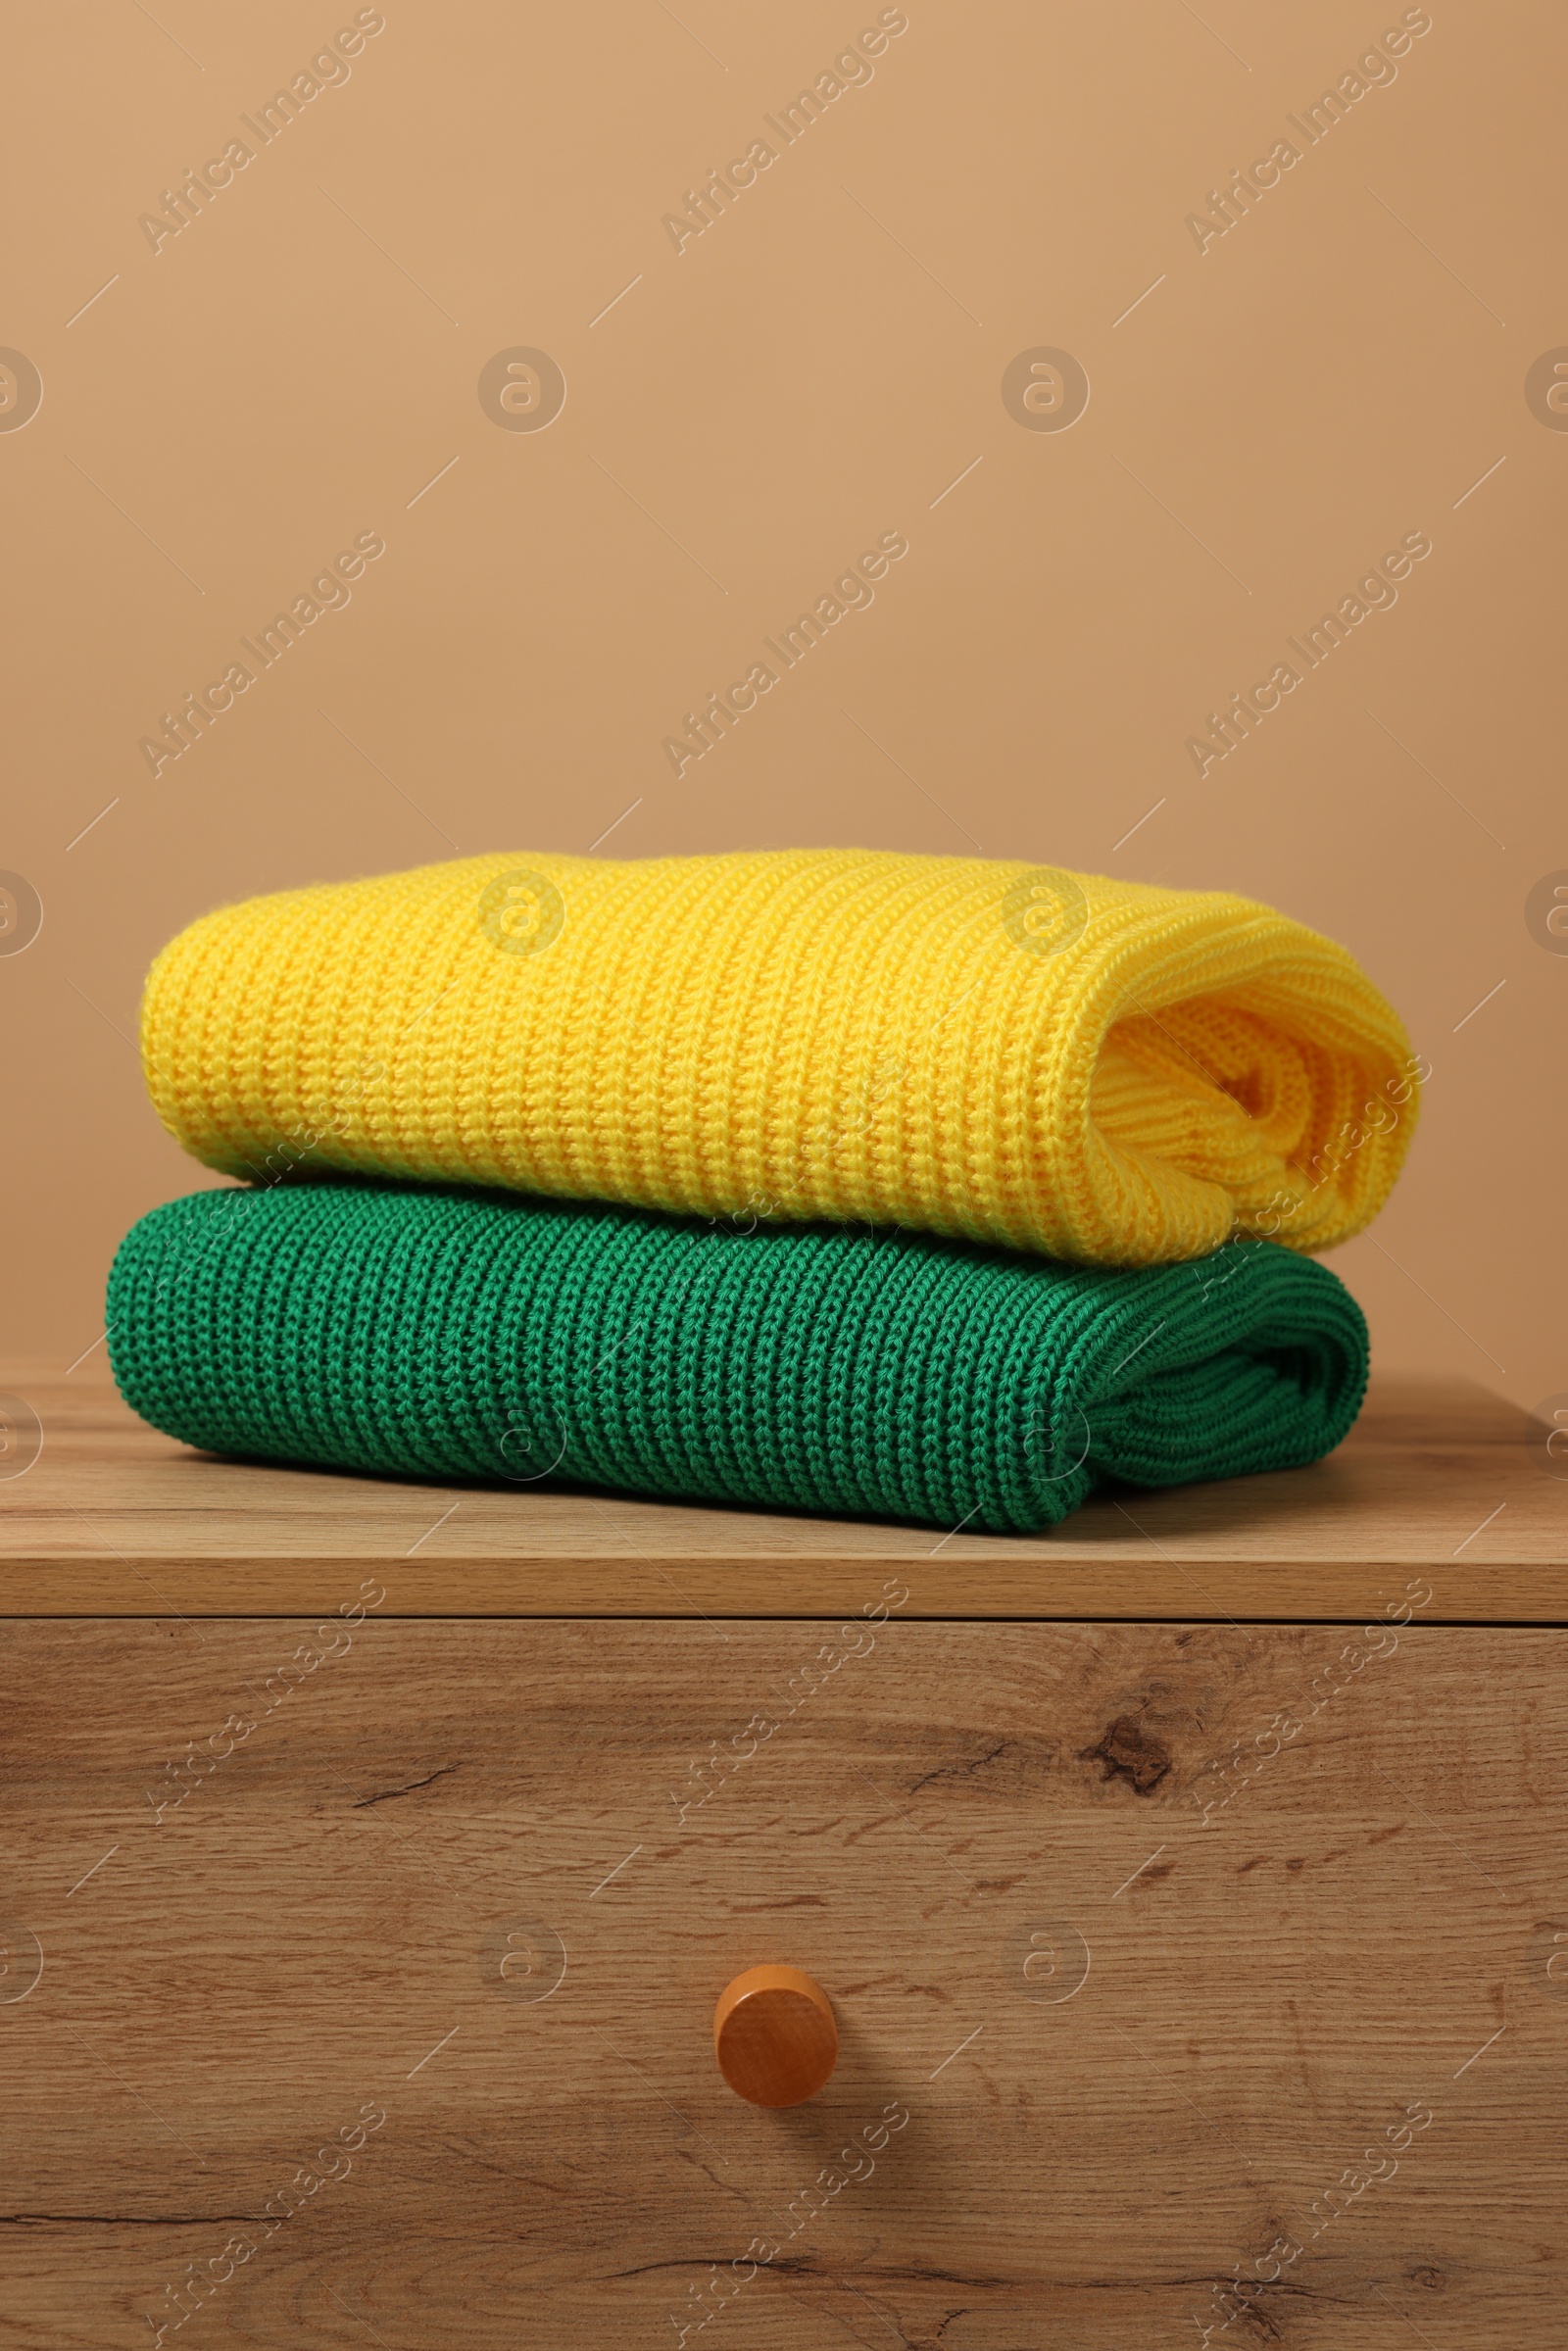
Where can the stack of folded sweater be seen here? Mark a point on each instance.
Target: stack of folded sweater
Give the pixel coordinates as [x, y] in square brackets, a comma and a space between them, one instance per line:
[846, 1181]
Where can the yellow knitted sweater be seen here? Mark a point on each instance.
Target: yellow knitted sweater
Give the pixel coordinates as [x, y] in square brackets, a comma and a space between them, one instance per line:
[1096, 1069]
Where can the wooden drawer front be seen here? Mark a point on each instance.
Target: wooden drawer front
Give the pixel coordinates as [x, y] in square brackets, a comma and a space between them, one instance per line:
[1118, 2029]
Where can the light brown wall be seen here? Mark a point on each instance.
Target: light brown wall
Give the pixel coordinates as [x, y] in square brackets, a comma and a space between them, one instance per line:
[822, 364]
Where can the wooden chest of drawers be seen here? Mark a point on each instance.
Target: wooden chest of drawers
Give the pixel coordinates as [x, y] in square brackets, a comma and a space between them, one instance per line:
[1191, 1888]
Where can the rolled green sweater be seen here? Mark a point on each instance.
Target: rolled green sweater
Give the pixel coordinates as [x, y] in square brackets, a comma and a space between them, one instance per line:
[443, 1333]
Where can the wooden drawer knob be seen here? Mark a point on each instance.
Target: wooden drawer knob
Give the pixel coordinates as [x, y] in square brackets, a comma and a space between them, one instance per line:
[774, 2035]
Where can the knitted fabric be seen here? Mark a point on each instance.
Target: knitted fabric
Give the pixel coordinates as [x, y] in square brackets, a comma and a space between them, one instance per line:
[453, 1334]
[1095, 1069]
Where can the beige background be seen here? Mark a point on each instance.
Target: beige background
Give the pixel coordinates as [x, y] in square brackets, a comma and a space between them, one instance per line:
[300, 363]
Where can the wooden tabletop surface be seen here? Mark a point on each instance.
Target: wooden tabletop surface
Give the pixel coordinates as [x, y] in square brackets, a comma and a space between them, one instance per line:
[1439, 1481]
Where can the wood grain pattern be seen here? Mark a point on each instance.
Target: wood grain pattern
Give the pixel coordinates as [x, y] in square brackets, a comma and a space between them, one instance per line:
[1436, 1476]
[1145, 1974]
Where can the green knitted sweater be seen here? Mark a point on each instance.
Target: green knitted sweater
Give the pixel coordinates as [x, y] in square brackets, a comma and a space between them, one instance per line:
[444, 1333]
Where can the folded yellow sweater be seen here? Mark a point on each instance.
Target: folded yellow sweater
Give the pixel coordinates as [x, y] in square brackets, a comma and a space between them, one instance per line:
[1099, 1071]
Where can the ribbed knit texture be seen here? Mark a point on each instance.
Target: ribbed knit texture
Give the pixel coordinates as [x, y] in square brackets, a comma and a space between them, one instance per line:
[454, 1334]
[1095, 1069]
